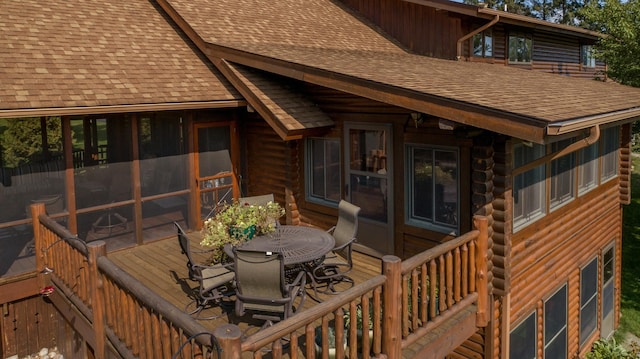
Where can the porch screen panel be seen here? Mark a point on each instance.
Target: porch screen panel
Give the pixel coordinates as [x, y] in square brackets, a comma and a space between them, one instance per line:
[163, 172]
[31, 171]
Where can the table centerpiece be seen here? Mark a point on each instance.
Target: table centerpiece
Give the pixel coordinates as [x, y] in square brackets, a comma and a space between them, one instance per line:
[236, 223]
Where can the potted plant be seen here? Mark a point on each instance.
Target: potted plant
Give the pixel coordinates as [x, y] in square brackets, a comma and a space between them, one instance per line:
[236, 223]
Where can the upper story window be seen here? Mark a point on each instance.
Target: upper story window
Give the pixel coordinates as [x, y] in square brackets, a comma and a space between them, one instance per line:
[520, 48]
[323, 171]
[432, 191]
[587, 57]
[529, 186]
[542, 187]
[483, 44]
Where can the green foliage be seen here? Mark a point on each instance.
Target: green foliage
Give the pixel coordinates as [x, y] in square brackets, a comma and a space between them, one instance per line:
[608, 349]
[620, 48]
[237, 223]
[22, 141]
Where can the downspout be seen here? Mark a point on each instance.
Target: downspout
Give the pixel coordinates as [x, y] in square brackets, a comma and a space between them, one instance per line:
[594, 135]
[469, 35]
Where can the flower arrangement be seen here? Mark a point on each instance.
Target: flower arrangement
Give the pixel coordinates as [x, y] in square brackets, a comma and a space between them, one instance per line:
[237, 223]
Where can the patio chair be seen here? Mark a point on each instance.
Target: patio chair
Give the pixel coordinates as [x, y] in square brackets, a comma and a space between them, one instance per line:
[261, 286]
[339, 262]
[214, 282]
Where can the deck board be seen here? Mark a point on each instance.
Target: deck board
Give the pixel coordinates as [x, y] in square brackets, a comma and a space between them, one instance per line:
[161, 267]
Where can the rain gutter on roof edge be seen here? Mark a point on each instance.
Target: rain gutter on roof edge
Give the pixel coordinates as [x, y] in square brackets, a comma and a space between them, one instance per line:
[469, 35]
[90, 110]
[560, 128]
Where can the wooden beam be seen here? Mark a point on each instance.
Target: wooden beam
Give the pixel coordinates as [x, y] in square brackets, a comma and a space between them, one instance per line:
[20, 289]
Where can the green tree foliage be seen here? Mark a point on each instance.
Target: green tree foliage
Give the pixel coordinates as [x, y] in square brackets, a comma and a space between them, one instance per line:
[620, 48]
[22, 140]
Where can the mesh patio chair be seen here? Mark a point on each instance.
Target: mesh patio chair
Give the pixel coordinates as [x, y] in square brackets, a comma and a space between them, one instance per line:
[262, 288]
[214, 282]
[337, 264]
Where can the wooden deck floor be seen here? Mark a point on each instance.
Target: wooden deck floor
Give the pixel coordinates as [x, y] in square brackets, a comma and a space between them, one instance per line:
[162, 267]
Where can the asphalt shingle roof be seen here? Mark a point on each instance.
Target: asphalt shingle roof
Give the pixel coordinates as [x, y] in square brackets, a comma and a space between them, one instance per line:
[99, 53]
[320, 34]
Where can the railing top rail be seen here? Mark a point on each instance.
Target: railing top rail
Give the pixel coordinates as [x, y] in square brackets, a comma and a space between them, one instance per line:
[280, 329]
[64, 234]
[410, 263]
[154, 301]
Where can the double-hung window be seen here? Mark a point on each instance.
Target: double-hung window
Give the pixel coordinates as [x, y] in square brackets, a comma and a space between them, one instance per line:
[522, 339]
[529, 186]
[483, 44]
[562, 176]
[520, 48]
[587, 58]
[323, 170]
[588, 300]
[588, 168]
[555, 325]
[610, 145]
[432, 191]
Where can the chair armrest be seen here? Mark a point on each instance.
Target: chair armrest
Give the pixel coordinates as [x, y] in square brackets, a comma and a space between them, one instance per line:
[330, 230]
[301, 280]
[350, 242]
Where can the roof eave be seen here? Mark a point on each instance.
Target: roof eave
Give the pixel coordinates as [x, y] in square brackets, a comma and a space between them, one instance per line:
[622, 116]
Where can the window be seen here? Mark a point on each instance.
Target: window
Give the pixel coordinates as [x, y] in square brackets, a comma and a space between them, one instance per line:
[528, 187]
[520, 48]
[323, 169]
[483, 44]
[523, 339]
[562, 175]
[587, 57]
[588, 300]
[541, 186]
[610, 145]
[555, 325]
[433, 187]
[588, 168]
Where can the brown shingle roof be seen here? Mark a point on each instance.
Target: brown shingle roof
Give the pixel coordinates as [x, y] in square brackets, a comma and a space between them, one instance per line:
[325, 39]
[288, 112]
[63, 54]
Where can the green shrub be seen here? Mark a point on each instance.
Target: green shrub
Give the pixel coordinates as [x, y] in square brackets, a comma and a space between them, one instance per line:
[608, 349]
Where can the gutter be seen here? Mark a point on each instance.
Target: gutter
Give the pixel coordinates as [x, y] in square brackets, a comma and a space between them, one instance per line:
[469, 35]
[559, 128]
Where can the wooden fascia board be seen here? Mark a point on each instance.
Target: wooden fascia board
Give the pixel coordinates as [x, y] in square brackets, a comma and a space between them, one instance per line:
[254, 101]
[518, 126]
[458, 8]
[621, 117]
[92, 110]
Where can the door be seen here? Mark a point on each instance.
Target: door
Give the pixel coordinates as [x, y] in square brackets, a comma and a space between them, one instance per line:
[368, 179]
[608, 279]
[215, 163]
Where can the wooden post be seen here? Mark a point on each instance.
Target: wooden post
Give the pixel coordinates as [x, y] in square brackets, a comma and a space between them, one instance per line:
[36, 210]
[96, 250]
[228, 337]
[392, 295]
[482, 248]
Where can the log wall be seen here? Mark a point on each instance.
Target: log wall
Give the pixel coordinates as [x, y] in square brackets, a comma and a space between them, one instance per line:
[26, 326]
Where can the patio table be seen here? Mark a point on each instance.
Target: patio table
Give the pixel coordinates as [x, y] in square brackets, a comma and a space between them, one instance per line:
[298, 244]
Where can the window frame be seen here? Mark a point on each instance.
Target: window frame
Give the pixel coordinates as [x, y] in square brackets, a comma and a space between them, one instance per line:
[546, 341]
[534, 338]
[309, 168]
[486, 53]
[529, 216]
[421, 222]
[587, 57]
[521, 38]
[590, 303]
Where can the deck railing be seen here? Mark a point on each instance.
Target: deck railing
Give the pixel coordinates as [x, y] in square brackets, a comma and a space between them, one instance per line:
[125, 316]
[405, 302]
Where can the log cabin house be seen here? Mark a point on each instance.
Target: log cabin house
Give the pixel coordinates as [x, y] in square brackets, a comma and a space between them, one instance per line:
[422, 112]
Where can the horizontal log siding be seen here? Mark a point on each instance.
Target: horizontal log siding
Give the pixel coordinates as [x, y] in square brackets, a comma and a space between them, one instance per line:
[421, 29]
[553, 250]
[267, 161]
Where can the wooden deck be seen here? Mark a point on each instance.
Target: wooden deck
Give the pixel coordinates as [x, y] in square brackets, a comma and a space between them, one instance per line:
[162, 267]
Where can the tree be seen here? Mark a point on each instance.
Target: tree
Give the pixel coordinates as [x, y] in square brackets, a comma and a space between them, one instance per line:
[22, 140]
[620, 47]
